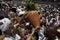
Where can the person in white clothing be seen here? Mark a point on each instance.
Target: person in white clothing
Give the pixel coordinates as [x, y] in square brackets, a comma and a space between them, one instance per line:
[4, 24]
[20, 11]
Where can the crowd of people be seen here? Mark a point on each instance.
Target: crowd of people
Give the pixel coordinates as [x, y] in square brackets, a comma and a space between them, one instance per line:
[50, 18]
[15, 26]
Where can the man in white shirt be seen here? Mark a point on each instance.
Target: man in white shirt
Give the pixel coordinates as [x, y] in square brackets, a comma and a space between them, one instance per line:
[17, 37]
[5, 24]
[20, 11]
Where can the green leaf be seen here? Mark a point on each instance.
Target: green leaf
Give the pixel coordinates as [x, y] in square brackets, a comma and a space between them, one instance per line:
[30, 5]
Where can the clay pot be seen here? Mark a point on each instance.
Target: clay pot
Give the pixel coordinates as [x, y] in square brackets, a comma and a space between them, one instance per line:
[34, 18]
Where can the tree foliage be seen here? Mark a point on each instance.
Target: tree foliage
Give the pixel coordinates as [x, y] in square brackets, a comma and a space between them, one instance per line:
[30, 5]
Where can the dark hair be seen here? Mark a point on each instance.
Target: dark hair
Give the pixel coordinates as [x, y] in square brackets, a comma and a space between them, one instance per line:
[0, 5]
[1, 17]
[0, 32]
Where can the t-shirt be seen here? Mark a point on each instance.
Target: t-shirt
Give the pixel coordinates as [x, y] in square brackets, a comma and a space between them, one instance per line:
[8, 38]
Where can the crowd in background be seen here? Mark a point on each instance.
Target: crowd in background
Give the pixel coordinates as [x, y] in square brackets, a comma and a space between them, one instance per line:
[50, 18]
[18, 27]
